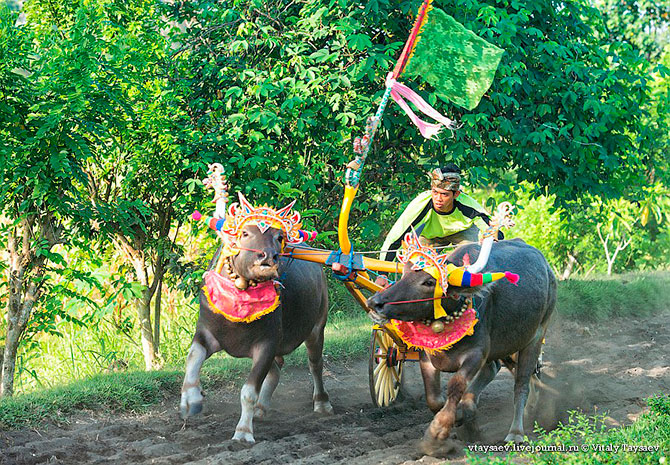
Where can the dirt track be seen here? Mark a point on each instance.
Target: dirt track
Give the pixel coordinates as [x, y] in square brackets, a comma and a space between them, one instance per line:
[610, 368]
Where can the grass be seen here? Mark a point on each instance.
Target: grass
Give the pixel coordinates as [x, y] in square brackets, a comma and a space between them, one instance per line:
[347, 337]
[584, 440]
[630, 295]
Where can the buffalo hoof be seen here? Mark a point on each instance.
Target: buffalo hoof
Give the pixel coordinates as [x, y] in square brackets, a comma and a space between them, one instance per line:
[470, 432]
[323, 407]
[516, 438]
[260, 411]
[436, 447]
[191, 403]
[244, 436]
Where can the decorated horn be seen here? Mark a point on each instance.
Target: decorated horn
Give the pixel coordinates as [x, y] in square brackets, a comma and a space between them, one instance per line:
[217, 181]
[501, 218]
[307, 235]
[459, 276]
[483, 258]
[213, 223]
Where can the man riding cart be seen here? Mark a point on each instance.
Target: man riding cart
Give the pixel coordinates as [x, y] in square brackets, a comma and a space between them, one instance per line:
[441, 216]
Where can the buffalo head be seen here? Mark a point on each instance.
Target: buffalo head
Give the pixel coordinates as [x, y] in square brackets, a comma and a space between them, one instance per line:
[258, 257]
[412, 298]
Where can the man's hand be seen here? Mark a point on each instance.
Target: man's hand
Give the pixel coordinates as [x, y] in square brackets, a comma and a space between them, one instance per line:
[382, 281]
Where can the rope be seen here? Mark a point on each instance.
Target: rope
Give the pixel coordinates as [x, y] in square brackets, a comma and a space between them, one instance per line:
[450, 246]
[396, 302]
[307, 251]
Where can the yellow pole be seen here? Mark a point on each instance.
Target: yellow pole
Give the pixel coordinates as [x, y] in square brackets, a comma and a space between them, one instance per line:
[343, 224]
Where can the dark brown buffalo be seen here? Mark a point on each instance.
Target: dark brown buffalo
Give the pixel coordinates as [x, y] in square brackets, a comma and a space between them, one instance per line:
[512, 323]
[301, 317]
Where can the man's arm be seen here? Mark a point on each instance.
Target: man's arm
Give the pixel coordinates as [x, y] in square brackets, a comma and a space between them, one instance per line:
[482, 220]
[389, 253]
[412, 216]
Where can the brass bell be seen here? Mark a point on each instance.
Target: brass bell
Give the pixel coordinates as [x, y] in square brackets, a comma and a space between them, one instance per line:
[241, 283]
[437, 326]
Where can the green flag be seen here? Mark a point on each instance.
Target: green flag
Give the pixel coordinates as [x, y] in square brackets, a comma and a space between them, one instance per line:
[459, 64]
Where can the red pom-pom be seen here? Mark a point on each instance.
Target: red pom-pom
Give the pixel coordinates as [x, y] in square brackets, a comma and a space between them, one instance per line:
[512, 277]
[196, 215]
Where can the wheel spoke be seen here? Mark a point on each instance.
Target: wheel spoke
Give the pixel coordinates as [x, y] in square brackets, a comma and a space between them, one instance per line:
[381, 338]
[395, 374]
[385, 380]
[378, 384]
[378, 368]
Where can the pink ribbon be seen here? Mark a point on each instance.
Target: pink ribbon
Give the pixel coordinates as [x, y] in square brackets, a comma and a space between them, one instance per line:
[428, 130]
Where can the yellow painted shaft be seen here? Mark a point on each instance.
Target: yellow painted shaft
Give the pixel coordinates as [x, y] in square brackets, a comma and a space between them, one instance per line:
[343, 224]
[308, 254]
[381, 265]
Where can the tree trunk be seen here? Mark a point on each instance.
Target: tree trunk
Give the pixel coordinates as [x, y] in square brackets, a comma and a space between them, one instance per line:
[25, 271]
[9, 361]
[157, 315]
[135, 250]
[569, 267]
[144, 313]
[18, 315]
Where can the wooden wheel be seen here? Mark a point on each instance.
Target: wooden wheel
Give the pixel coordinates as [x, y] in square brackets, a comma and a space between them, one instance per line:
[385, 370]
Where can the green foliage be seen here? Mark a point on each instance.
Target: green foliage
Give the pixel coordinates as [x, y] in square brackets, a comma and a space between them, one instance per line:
[278, 93]
[568, 236]
[592, 437]
[643, 23]
[593, 443]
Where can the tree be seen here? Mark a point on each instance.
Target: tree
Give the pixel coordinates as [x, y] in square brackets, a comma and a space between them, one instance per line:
[139, 179]
[279, 90]
[644, 23]
[47, 95]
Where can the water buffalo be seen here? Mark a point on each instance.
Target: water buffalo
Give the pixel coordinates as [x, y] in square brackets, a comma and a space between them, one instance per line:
[512, 324]
[300, 317]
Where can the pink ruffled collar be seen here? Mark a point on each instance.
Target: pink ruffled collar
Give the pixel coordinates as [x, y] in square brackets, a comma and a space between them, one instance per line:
[421, 336]
[237, 305]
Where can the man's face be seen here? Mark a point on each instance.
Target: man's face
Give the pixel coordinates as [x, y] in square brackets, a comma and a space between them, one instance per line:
[443, 200]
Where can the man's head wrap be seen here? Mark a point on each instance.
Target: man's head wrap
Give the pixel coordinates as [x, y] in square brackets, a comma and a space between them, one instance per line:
[448, 181]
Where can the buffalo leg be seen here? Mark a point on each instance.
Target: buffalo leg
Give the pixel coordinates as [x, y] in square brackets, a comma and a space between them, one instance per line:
[526, 364]
[263, 358]
[314, 345]
[191, 394]
[269, 385]
[431, 383]
[475, 388]
[443, 422]
[468, 405]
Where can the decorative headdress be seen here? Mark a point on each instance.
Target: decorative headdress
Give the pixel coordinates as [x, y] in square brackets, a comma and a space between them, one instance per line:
[427, 259]
[229, 225]
[243, 213]
[447, 181]
[264, 217]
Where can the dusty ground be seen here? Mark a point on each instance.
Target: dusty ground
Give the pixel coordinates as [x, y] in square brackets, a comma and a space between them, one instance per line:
[609, 368]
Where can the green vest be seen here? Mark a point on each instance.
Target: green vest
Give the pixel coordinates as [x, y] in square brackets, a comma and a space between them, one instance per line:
[433, 224]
